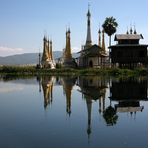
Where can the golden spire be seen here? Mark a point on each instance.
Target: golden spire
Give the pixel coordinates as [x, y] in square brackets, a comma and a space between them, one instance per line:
[51, 55]
[45, 49]
[99, 40]
[103, 42]
[68, 54]
[48, 49]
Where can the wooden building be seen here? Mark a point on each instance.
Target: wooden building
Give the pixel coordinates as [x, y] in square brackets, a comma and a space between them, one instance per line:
[128, 93]
[128, 52]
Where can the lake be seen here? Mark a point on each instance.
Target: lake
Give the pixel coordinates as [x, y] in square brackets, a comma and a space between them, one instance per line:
[75, 112]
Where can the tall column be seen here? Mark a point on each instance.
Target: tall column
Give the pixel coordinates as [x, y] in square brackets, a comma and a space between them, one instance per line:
[88, 38]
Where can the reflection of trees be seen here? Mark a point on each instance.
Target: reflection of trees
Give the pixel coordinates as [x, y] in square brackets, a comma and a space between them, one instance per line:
[110, 116]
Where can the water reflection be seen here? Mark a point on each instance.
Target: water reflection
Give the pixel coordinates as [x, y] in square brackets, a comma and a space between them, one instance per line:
[93, 88]
[47, 86]
[92, 104]
[128, 94]
[68, 83]
[125, 95]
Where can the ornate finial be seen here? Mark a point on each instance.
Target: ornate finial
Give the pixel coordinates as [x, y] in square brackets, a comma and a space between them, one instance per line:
[131, 30]
[99, 29]
[88, 14]
[50, 41]
[103, 41]
[68, 29]
[127, 31]
[135, 32]
[88, 5]
[99, 40]
[45, 34]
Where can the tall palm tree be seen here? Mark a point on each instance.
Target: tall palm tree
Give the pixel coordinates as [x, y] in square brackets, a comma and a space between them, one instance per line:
[109, 27]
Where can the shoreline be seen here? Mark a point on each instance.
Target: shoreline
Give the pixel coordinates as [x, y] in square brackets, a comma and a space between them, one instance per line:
[32, 71]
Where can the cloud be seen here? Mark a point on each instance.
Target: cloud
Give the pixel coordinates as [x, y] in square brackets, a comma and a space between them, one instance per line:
[5, 51]
[75, 49]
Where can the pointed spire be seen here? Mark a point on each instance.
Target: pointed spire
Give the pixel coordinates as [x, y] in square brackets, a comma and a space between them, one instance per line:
[135, 32]
[44, 39]
[50, 49]
[45, 49]
[88, 13]
[103, 41]
[131, 30]
[127, 31]
[99, 40]
[67, 53]
[88, 38]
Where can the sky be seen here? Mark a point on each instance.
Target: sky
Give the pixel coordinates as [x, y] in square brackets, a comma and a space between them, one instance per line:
[23, 23]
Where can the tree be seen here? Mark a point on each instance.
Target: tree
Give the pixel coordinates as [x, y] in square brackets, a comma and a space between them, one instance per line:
[109, 27]
[110, 116]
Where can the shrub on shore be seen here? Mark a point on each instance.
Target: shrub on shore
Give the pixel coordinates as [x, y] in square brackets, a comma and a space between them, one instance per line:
[32, 70]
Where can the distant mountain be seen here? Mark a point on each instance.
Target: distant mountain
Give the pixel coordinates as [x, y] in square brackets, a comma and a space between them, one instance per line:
[27, 58]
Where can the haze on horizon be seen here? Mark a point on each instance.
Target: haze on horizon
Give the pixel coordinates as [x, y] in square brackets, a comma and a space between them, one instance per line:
[24, 23]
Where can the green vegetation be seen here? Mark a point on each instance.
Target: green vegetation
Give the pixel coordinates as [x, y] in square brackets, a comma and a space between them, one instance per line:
[31, 71]
[109, 27]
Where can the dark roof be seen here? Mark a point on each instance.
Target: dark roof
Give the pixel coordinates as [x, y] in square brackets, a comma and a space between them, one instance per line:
[129, 45]
[128, 37]
[94, 50]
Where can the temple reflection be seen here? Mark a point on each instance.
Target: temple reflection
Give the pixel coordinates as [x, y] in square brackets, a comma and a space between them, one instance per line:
[113, 96]
[47, 86]
[68, 83]
[93, 89]
[128, 94]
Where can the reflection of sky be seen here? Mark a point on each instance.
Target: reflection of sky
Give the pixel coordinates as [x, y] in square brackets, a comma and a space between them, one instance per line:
[24, 122]
[10, 87]
[6, 89]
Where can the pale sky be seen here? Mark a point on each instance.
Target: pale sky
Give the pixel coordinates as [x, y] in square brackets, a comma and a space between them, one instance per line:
[24, 22]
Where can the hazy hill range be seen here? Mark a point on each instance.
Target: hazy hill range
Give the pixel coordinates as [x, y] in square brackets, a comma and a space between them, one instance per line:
[27, 58]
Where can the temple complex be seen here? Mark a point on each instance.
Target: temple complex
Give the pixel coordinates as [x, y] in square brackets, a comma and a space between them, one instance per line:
[92, 55]
[47, 60]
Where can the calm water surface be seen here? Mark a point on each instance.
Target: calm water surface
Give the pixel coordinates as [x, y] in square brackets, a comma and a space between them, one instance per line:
[54, 112]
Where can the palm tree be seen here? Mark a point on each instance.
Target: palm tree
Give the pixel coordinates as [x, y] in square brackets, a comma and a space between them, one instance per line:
[109, 27]
[110, 116]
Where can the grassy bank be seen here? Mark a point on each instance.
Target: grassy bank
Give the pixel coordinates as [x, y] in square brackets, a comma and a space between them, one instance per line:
[31, 70]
